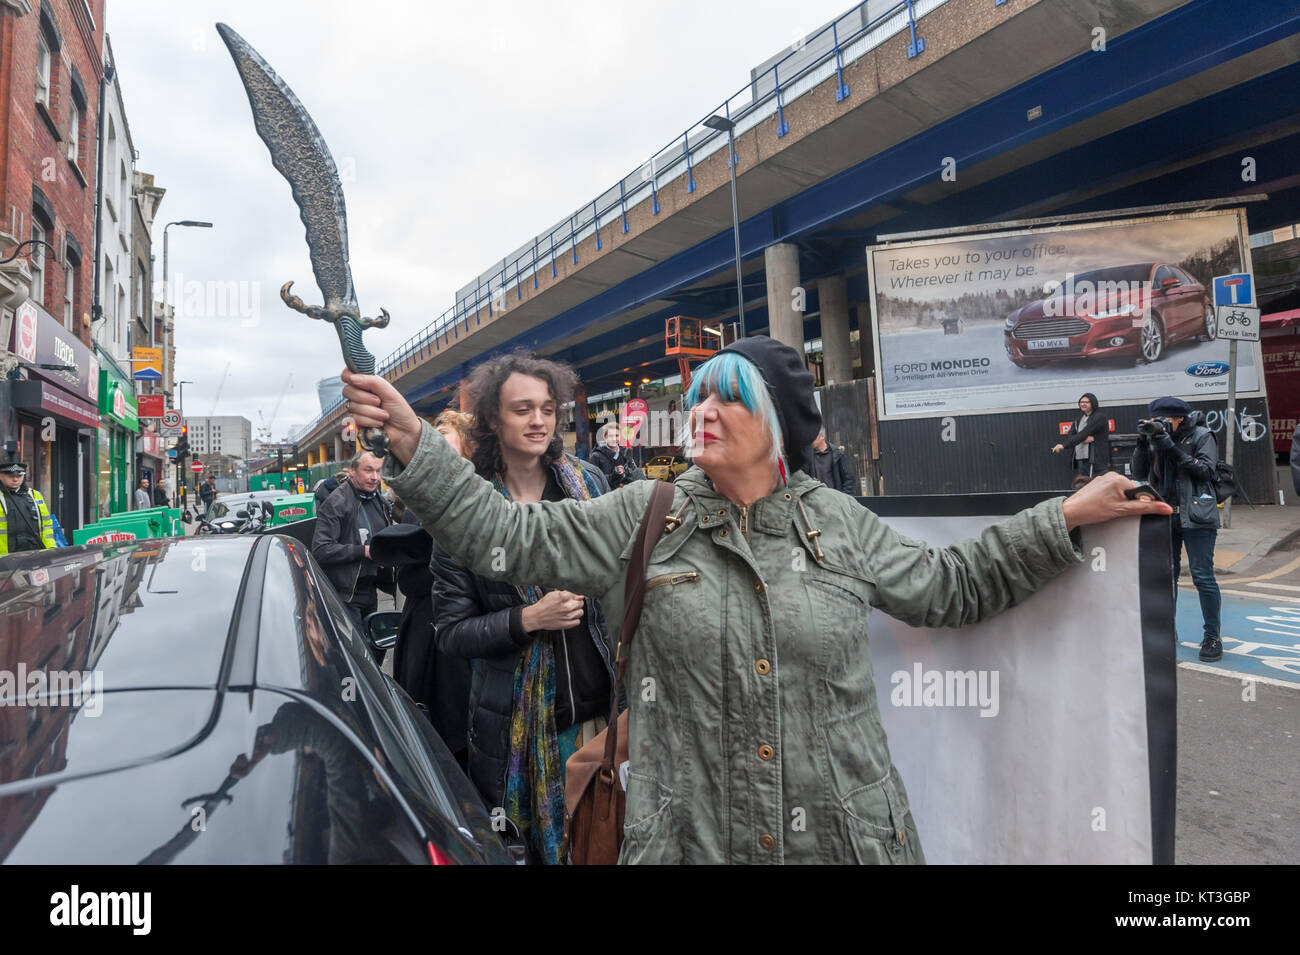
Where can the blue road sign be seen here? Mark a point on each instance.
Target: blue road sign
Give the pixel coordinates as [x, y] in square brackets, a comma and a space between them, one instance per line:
[1235, 289]
[171, 452]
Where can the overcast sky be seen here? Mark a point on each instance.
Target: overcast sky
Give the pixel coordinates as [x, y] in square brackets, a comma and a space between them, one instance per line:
[462, 129]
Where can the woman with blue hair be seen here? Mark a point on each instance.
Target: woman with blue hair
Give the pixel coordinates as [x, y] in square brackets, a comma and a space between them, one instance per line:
[753, 632]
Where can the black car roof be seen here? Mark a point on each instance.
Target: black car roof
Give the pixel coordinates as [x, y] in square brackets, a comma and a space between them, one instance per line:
[152, 613]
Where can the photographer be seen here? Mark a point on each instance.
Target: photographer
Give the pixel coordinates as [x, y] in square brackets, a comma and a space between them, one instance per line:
[1178, 458]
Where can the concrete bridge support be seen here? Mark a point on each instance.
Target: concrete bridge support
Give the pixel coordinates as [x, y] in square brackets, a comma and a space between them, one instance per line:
[786, 324]
[837, 360]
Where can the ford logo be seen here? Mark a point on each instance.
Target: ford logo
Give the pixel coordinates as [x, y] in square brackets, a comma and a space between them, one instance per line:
[1208, 369]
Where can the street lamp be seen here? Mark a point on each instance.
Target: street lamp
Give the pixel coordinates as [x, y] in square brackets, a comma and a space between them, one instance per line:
[180, 400]
[153, 331]
[724, 123]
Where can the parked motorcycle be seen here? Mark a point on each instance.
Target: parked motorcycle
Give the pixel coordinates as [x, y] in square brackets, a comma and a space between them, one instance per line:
[251, 520]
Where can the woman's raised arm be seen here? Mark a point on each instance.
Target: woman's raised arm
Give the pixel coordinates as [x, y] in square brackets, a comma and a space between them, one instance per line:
[973, 579]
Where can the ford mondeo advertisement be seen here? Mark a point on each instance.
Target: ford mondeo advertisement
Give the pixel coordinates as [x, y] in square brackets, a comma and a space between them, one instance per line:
[1034, 318]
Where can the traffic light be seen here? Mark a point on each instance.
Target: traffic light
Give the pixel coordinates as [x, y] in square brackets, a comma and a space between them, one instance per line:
[183, 445]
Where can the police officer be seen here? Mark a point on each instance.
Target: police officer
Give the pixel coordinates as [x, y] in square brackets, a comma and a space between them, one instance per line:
[25, 522]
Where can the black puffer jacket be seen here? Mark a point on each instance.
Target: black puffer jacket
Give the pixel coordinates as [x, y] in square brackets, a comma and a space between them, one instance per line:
[1194, 455]
[480, 618]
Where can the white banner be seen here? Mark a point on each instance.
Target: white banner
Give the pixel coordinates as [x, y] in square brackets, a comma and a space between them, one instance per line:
[1035, 737]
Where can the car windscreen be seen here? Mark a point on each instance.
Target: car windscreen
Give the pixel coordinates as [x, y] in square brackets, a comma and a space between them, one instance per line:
[1118, 273]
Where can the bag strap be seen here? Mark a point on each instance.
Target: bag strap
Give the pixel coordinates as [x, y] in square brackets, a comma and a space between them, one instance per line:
[647, 536]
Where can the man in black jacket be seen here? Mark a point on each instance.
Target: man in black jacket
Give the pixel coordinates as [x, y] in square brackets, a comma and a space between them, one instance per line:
[345, 523]
[615, 461]
[208, 494]
[831, 466]
[1178, 458]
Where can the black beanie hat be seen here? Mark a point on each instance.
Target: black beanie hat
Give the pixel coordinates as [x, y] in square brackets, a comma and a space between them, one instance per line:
[1170, 405]
[791, 386]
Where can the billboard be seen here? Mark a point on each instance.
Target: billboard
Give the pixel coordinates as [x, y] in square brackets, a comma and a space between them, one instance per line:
[1034, 318]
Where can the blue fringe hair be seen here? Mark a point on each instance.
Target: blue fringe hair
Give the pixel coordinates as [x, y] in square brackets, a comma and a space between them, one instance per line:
[732, 377]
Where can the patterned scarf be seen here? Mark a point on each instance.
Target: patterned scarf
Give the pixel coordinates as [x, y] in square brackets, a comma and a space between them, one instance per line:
[534, 796]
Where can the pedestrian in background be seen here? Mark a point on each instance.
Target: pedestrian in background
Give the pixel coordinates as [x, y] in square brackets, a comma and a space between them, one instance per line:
[1178, 458]
[541, 662]
[329, 486]
[353, 514]
[615, 461]
[143, 499]
[1089, 436]
[1295, 460]
[831, 466]
[160, 493]
[208, 494]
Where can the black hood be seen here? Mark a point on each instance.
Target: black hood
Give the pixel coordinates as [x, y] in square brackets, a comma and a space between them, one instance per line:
[791, 386]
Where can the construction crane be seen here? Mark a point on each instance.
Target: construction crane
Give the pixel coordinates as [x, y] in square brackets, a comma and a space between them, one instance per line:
[221, 384]
[268, 423]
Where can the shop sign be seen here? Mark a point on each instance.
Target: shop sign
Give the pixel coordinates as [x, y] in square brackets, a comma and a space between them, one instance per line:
[40, 339]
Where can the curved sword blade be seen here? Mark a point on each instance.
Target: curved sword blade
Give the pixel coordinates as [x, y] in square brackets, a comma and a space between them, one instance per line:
[299, 153]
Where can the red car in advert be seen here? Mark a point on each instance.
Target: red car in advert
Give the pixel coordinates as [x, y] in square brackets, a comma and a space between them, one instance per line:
[1131, 312]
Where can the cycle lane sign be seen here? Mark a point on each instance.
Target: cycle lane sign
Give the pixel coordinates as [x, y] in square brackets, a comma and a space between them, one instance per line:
[1238, 322]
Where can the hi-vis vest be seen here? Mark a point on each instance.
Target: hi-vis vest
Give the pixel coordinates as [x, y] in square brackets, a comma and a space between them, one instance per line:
[47, 525]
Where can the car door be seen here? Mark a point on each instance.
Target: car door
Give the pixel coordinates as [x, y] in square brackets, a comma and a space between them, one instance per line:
[417, 760]
[1185, 301]
[1168, 302]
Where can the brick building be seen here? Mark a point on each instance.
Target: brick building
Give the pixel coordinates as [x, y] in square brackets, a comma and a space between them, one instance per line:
[50, 69]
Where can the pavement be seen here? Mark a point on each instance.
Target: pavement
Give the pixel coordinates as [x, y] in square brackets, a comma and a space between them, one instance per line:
[1256, 533]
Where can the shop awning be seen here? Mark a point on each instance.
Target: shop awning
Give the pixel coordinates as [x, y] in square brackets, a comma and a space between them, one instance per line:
[1281, 319]
[45, 398]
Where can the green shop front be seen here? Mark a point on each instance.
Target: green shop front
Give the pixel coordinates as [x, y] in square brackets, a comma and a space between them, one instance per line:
[119, 423]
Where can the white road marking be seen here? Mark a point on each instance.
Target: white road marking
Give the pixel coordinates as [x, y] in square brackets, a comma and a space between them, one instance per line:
[1253, 595]
[1272, 586]
[1238, 675]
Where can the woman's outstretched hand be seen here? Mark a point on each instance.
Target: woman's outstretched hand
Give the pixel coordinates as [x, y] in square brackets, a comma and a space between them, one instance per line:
[375, 403]
[1102, 499]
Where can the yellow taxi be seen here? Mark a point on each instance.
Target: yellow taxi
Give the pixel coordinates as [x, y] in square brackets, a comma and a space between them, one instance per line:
[666, 467]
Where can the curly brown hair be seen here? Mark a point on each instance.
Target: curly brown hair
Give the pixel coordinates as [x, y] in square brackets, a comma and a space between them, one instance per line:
[462, 424]
[483, 389]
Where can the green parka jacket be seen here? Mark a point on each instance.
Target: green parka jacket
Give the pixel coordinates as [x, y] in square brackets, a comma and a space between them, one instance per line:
[755, 733]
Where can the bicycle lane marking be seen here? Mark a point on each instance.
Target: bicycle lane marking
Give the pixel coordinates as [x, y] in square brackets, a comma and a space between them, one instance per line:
[1261, 637]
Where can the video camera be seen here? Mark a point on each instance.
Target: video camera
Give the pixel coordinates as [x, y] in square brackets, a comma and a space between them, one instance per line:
[1153, 426]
